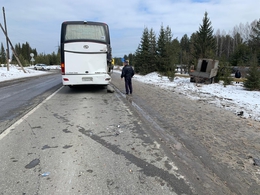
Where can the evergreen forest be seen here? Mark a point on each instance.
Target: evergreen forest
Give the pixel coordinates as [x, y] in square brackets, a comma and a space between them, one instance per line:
[239, 49]
[24, 50]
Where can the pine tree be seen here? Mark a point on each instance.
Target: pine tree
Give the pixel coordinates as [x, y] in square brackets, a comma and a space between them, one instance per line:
[255, 40]
[142, 54]
[174, 56]
[193, 54]
[26, 51]
[185, 50]
[2, 55]
[170, 54]
[185, 56]
[152, 52]
[162, 56]
[241, 55]
[252, 81]
[224, 73]
[131, 58]
[205, 42]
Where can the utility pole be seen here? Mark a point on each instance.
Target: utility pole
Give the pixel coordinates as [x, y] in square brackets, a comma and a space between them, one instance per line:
[7, 45]
[15, 55]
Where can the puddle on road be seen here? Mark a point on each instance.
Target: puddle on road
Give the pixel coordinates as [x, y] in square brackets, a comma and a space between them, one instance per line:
[32, 164]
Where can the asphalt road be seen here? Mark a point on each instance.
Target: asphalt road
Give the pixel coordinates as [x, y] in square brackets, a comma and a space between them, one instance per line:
[85, 141]
[88, 141]
[18, 96]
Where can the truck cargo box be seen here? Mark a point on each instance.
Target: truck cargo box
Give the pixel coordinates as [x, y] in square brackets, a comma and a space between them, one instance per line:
[205, 71]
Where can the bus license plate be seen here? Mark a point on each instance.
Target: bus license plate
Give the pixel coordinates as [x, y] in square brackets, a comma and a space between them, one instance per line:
[87, 79]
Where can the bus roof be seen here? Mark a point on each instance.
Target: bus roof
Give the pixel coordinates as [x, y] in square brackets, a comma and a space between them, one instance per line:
[84, 22]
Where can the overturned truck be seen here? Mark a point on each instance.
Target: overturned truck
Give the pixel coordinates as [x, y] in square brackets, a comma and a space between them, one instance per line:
[205, 71]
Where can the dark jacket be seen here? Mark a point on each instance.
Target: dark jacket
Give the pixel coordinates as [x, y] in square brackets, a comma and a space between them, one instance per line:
[237, 74]
[127, 72]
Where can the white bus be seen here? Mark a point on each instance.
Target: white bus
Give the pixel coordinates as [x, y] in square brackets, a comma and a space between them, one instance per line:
[85, 53]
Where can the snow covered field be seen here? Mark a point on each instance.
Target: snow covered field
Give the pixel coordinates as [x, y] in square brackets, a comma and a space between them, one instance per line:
[17, 72]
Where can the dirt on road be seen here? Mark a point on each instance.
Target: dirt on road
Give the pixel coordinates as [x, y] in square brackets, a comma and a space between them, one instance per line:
[217, 150]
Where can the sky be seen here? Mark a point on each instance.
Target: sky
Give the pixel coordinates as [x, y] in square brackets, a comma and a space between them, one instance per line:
[38, 22]
[233, 98]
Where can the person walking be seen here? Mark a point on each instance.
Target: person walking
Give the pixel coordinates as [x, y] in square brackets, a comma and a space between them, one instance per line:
[237, 75]
[127, 73]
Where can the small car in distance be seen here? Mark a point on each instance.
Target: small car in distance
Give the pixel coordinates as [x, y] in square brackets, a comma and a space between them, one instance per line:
[41, 67]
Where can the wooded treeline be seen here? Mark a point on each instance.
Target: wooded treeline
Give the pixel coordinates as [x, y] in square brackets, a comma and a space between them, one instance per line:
[239, 48]
[24, 50]
[159, 53]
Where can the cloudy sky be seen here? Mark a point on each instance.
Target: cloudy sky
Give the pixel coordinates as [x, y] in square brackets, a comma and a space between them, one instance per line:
[38, 22]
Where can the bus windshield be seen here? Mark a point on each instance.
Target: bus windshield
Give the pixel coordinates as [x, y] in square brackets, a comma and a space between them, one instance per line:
[85, 32]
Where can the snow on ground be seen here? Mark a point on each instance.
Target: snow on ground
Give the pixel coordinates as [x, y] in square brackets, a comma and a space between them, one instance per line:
[234, 98]
[16, 72]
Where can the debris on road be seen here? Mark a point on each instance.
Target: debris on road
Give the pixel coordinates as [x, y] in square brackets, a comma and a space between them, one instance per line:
[256, 162]
[110, 89]
[45, 174]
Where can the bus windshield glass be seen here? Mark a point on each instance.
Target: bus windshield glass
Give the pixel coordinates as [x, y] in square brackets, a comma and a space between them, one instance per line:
[85, 32]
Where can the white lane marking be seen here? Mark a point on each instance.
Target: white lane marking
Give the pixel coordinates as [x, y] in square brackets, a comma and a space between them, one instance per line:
[8, 130]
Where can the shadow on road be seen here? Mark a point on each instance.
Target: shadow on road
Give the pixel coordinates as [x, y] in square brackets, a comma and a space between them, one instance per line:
[86, 89]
